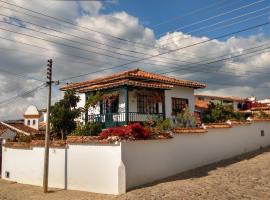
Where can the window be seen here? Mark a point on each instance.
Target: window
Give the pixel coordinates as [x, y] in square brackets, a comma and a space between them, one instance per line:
[201, 98]
[145, 105]
[178, 105]
[34, 122]
[112, 108]
[28, 122]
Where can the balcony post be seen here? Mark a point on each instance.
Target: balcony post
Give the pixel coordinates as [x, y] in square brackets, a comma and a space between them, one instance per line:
[163, 105]
[126, 105]
[86, 111]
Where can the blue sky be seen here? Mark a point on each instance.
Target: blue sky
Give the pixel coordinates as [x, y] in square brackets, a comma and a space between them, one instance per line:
[152, 13]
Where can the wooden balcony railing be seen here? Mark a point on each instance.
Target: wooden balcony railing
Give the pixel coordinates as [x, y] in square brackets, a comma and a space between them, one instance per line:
[118, 119]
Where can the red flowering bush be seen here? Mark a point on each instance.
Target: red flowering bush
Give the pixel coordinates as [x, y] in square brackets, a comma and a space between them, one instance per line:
[139, 132]
[132, 131]
[119, 131]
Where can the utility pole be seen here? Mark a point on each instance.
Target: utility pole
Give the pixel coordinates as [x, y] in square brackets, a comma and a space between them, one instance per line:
[47, 135]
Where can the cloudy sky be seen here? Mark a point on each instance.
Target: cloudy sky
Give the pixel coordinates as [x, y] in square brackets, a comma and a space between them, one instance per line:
[98, 38]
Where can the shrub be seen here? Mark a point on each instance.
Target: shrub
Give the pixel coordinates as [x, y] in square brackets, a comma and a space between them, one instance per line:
[24, 138]
[89, 129]
[184, 119]
[136, 131]
[164, 125]
[219, 113]
[263, 115]
[139, 132]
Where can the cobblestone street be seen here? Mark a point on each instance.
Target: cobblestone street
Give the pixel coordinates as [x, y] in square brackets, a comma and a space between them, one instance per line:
[244, 177]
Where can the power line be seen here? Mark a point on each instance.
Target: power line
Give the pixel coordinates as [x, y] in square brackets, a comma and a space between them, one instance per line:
[8, 101]
[197, 63]
[67, 22]
[236, 56]
[226, 56]
[105, 49]
[220, 22]
[177, 49]
[189, 13]
[82, 44]
[20, 75]
[218, 71]
[220, 14]
[85, 49]
[144, 45]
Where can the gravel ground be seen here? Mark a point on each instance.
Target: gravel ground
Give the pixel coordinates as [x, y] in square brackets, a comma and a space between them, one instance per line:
[244, 177]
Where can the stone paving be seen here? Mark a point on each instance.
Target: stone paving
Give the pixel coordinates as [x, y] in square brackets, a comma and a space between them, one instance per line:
[245, 177]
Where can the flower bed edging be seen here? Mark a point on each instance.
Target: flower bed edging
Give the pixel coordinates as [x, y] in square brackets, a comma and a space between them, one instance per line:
[218, 125]
[188, 130]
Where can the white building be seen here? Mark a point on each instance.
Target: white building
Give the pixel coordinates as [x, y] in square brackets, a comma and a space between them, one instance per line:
[135, 95]
[35, 118]
[202, 101]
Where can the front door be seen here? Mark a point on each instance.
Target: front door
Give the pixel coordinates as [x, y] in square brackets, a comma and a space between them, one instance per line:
[110, 110]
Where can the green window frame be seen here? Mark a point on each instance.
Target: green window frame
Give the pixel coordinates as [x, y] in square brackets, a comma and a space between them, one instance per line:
[178, 105]
[145, 106]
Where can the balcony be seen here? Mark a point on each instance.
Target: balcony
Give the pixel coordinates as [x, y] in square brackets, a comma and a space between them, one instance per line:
[120, 118]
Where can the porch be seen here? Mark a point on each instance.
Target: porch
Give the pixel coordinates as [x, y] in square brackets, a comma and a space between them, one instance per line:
[125, 105]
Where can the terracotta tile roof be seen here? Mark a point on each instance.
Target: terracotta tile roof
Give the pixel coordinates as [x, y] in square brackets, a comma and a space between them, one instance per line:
[135, 75]
[126, 82]
[27, 129]
[22, 127]
[232, 98]
[201, 104]
[2, 129]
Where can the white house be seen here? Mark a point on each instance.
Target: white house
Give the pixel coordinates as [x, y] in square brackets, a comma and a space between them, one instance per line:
[202, 101]
[135, 95]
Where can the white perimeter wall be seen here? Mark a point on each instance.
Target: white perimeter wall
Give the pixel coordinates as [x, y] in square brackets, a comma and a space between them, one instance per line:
[113, 168]
[93, 168]
[147, 161]
[26, 166]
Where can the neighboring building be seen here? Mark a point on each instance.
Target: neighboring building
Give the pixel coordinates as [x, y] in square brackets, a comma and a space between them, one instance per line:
[202, 101]
[137, 96]
[33, 125]
[265, 101]
[35, 118]
[31, 117]
[10, 130]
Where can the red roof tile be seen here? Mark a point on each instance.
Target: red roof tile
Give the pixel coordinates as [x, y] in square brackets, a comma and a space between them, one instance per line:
[232, 98]
[135, 75]
[126, 82]
[20, 126]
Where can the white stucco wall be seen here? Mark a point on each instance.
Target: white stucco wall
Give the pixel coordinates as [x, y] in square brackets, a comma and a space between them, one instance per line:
[26, 166]
[147, 161]
[179, 92]
[96, 168]
[92, 168]
[111, 168]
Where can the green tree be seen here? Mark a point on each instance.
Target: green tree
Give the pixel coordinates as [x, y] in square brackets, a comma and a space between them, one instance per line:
[64, 113]
[220, 113]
